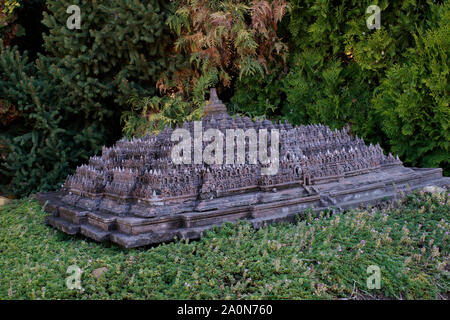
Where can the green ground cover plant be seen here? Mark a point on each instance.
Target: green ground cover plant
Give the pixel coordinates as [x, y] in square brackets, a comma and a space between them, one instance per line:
[319, 257]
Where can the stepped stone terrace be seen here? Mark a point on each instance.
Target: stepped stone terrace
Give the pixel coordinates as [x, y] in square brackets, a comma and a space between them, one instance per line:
[135, 195]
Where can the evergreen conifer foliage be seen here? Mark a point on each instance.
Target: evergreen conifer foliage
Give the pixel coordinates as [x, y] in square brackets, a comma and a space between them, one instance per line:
[340, 61]
[118, 51]
[413, 100]
[46, 139]
[260, 97]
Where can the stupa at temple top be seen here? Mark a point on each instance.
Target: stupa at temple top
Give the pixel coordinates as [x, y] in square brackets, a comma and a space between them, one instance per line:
[136, 193]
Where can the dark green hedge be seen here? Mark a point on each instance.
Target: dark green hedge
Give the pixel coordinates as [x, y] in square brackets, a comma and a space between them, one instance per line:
[390, 85]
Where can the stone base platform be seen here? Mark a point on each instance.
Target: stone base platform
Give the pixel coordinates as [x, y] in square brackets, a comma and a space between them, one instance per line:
[94, 219]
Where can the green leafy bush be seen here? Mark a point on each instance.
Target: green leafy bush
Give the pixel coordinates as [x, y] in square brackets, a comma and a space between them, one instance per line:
[413, 103]
[63, 107]
[339, 61]
[152, 114]
[43, 138]
[259, 96]
[328, 92]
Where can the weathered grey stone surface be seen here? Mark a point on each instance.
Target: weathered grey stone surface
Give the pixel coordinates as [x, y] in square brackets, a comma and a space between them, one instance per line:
[134, 195]
[433, 189]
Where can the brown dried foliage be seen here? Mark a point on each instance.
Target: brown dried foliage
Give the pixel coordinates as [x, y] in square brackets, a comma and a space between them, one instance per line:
[8, 113]
[224, 36]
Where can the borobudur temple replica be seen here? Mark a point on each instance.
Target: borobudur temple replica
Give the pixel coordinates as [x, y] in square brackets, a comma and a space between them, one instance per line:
[135, 195]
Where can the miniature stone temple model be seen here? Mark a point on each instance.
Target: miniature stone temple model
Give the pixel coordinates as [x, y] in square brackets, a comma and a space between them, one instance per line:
[134, 194]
